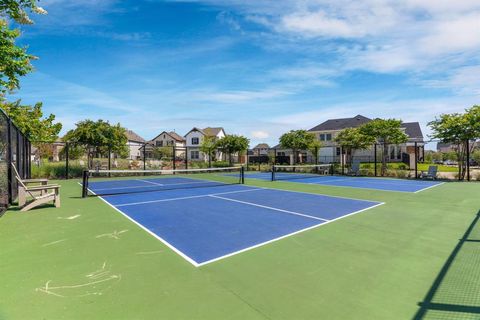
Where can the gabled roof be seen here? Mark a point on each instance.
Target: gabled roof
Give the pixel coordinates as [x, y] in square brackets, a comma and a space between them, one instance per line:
[413, 130]
[340, 124]
[261, 146]
[132, 136]
[172, 135]
[212, 132]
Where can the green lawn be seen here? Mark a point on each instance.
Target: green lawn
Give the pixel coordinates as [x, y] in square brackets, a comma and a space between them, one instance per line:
[87, 261]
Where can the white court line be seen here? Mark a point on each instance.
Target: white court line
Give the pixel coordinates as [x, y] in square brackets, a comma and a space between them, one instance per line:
[356, 187]
[183, 198]
[165, 242]
[267, 207]
[285, 236]
[151, 182]
[435, 185]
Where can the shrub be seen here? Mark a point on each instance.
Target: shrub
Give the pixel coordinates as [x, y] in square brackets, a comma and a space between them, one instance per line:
[220, 164]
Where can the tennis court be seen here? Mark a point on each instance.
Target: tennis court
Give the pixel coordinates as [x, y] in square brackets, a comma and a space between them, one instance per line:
[384, 184]
[204, 220]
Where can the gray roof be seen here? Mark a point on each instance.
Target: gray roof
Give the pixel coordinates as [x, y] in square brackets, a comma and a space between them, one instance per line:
[132, 136]
[340, 124]
[413, 130]
[176, 136]
[261, 146]
[212, 132]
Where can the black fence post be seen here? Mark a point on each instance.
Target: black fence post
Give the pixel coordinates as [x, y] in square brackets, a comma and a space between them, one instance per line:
[468, 160]
[109, 165]
[173, 158]
[9, 160]
[416, 160]
[186, 158]
[342, 161]
[67, 168]
[375, 158]
[274, 156]
[85, 184]
[144, 157]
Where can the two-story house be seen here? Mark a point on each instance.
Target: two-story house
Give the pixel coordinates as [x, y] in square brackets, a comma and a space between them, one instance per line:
[135, 145]
[164, 139]
[261, 149]
[330, 152]
[194, 138]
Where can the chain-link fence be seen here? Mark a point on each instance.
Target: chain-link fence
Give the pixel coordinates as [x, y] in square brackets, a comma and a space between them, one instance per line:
[15, 150]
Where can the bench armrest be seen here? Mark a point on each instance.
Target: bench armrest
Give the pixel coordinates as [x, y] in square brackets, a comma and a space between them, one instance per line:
[45, 187]
[27, 181]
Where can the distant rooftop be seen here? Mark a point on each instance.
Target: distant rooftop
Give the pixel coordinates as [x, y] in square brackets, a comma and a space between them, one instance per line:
[132, 136]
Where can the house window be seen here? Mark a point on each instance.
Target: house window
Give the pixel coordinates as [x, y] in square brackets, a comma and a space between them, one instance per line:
[338, 151]
[195, 140]
[281, 154]
[195, 155]
[170, 143]
[159, 143]
[321, 137]
[325, 137]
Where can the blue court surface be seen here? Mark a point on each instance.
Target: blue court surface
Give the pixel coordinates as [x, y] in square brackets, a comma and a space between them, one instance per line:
[210, 223]
[385, 184]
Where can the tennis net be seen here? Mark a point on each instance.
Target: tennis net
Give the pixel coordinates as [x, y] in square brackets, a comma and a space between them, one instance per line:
[288, 172]
[113, 182]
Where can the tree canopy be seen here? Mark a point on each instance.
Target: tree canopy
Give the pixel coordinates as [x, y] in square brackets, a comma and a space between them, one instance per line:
[231, 144]
[352, 139]
[30, 120]
[99, 136]
[14, 60]
[458, 129]
[384, 132]
[299, 140]
[208, 146]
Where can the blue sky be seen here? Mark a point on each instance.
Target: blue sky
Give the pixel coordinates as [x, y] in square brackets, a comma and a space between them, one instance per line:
[257, 68]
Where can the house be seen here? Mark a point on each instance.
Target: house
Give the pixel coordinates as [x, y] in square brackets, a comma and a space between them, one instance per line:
[449, 147]
[135, 145]
[261, 149]
[168, 139]
[330, 152]
[194, 138]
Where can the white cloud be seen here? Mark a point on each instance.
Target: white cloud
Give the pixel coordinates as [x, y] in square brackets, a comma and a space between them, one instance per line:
[259, 134]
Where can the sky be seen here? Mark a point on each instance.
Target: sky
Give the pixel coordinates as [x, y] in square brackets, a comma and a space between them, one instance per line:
[258, 68]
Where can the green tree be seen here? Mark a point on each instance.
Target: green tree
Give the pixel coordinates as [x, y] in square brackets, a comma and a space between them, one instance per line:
[14, 60]
[458, 129]
[30, 120]
[351, 140]
[384, 132]
[209, 147]
[162, 152]
[299, 140]
[99, 137]
[231, 144]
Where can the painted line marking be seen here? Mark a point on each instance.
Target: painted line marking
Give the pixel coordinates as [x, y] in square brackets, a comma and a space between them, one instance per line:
[182, 198]
[286, 236]
[270, 208]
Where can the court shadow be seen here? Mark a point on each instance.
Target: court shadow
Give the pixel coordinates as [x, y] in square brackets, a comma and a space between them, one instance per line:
[455, 292]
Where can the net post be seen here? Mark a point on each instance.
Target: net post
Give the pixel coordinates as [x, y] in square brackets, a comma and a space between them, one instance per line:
[85, 183]
[242, 175]
[468, 159]
[273, 173]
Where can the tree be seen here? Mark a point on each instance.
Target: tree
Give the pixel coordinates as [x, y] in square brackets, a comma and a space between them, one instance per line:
[14, 60]
[209, 147]
[299, 140]
[459, 129]
[99, 137]
[351, 140]
[384, 132]
[30, 120]
[231, 144]
[162, 152]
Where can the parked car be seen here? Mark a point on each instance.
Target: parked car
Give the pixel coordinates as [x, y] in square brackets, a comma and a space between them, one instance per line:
[450, 163]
